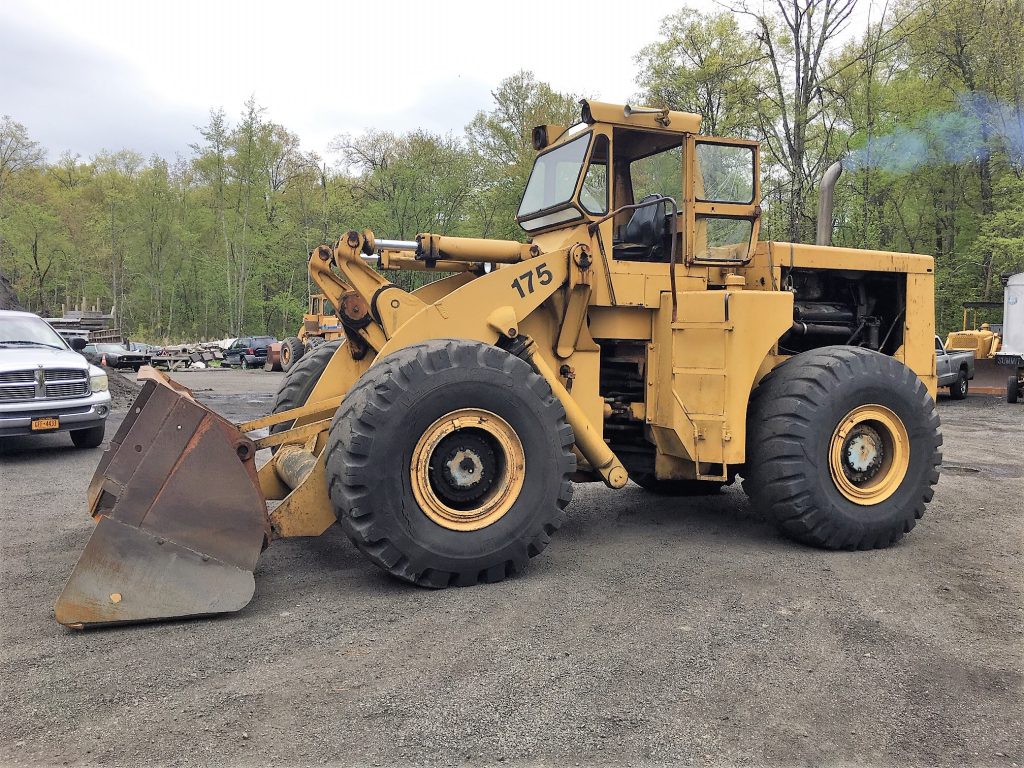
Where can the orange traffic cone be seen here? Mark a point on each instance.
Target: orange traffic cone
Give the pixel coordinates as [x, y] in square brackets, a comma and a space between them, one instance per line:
[103, 362]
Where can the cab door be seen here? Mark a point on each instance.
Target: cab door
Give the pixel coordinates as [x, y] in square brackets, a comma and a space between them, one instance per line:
[723, 193]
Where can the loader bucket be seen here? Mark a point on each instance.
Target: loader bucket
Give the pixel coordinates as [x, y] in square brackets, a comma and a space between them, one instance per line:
[180, 517]
[989, 378]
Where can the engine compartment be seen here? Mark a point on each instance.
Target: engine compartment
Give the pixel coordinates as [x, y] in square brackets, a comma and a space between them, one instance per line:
[856, 308]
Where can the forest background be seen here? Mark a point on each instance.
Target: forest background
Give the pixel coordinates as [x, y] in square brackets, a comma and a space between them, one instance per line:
[926, 105]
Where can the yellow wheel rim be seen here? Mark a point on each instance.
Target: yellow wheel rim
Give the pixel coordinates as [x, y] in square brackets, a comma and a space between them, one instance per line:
[869, 454]
[468, 469]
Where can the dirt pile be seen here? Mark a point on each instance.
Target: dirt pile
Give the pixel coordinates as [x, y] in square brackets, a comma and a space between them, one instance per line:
[8, 298]
[123, 390]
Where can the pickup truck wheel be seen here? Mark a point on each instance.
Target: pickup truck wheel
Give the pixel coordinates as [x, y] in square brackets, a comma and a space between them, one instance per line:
[843, 448]
[89, 438]
[958, 389]
[1012, 389]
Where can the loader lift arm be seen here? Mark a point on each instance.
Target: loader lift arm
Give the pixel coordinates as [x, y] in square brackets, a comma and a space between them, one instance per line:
[190, 550]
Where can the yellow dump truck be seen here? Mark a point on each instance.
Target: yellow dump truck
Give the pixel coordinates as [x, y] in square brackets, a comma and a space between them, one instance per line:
[643, 333]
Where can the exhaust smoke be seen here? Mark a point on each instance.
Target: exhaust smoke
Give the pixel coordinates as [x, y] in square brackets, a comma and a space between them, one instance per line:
[956, 137]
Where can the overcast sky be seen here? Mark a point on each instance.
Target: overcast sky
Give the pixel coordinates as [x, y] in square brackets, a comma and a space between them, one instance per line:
[105, 74]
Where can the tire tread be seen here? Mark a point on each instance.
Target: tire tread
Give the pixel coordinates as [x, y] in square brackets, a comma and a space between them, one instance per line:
[778, 426]
[366, 406]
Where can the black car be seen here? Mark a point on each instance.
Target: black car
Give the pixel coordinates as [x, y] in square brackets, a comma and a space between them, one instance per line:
[248, 351]
[114, 356]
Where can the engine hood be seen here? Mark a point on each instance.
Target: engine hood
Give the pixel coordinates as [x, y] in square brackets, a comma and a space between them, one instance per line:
[20, 358]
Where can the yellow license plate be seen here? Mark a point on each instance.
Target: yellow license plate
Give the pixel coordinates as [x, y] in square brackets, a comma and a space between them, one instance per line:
[41, 424]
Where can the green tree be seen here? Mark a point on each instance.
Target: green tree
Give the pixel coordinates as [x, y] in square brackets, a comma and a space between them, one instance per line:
[408, 184]
[708, 65]
[501, 143]
[17, 151]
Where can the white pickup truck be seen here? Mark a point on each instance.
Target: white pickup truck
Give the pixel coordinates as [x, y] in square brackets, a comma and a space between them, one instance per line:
[47, 386]
[954, 369]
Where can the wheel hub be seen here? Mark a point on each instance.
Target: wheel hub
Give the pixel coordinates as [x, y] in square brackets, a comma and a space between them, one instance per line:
[463, 467]
[863, 453]
[468, 469]
[869, 454]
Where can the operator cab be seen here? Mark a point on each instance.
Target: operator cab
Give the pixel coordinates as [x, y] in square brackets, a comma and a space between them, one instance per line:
[319, 304]
[635, 168]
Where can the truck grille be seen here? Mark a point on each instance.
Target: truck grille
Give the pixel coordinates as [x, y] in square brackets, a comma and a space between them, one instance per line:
[43, 384]
[19, 392]
[16, 377]
[64, 374]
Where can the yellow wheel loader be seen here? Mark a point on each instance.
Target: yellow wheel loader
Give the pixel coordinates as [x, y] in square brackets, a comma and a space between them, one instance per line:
[642, 333]
[985, 341]
[319, 325]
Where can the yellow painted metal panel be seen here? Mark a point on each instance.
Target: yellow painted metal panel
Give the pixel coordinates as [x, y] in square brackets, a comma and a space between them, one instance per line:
[620, 323]
[919, 329]
[717, 348]
[830, 257]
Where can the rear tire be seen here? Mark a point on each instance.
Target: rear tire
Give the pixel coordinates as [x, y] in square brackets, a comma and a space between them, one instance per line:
[448, 463]
[89, 438]
[958, 390]
[843, 448]
[652, 484]
[292, 350]
[1012, 389]
[243, 363]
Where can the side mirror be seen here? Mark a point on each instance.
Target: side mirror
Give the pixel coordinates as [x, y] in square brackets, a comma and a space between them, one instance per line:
[78, 343]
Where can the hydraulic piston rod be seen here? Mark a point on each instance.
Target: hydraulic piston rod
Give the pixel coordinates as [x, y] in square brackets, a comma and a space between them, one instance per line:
[395, 245]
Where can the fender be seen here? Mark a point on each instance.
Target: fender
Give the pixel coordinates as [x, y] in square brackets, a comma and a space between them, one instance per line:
[510, 294]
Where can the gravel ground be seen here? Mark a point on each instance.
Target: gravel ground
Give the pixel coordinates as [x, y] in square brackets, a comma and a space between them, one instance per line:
[651, 632]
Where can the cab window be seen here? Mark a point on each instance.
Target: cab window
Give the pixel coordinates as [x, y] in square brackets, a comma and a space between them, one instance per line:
[723, 190]
[658, 174]
[724, 173]
[594, 192]
[722, 239]
[554, 177]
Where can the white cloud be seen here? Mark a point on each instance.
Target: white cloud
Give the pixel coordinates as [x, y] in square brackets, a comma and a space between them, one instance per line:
[120, 73]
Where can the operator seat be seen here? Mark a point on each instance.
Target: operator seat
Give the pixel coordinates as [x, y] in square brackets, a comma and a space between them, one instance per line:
[643, 237]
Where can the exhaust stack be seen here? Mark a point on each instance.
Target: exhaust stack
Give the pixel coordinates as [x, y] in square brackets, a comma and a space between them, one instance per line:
[825, 199]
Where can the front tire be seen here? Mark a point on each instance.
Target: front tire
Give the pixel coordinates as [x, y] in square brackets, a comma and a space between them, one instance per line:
[448, 463]
[958, 390]
[89, 438]
[1012, 389]
[843, 448]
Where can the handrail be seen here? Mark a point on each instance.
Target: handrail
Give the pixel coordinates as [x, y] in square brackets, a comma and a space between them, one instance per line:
[592, 227]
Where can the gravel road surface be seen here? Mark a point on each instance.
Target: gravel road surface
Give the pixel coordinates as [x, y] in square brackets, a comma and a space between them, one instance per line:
[652, 631]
